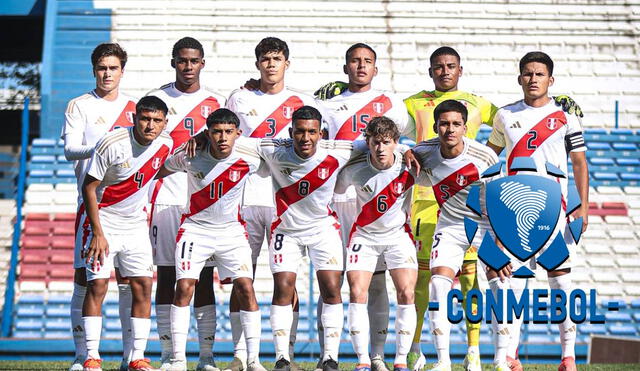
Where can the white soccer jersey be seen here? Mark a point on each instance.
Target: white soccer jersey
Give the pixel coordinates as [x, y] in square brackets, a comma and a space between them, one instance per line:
[125, 169]
[215, 186]
[264, 116]
[187, 117]
[382, 201]
[87, 119]
[546, 134]
[451, 178]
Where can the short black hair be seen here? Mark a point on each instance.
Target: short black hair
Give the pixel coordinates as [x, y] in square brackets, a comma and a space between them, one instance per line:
[382, 127]
[358, 46]
[108, 50]
[223, 116]
[306, 113]
[187, 43]
[450, 105]
[151, 103]
[444, 50]
[271, 44]
[539, 57]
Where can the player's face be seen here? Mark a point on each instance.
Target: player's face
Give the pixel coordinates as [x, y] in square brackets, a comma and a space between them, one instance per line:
[149, 125]
[535, 80]
[445, 72]
[188, 64]
[108, 72]
[381, 149]
[222, 138]
[305, 134]
[361, 67]
[451, 129]
[272, 66]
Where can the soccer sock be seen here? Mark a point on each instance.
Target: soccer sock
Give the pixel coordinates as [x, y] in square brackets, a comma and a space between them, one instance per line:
[77, 328]
[469, 280]
[439, 287]
[421, 303]
[180, 320]
[567, 327]
[332, 321]
[293, 333]
[501, 335]
[378, 308]
[405, 325]
[358, 319]
[237, 335]
[140, 328]
[252, 330]
[92, 331]
[124, 308]
[281, 319]
[163, 317]
[319, 326]
[415, 348]
[517, 287]
[206, 323]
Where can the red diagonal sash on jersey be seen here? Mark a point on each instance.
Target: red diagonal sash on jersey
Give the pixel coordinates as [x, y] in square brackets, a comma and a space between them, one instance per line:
[455, 182]
[118, 192]
[125, 119]
[377, 107]
[278, 119]
[193, 122]
[529, 142]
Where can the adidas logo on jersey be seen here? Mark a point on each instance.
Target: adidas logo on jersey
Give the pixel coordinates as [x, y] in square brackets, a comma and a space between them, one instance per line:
[253, 112]
[366, 188]
[333, 260]
[515, 125]
[404, 332]
[280, 333]
[199, 175]
[286, 171]
[244, 268]
[172, 111]
[100, 121]
[343, 108]
[125, 165]
[354, 332]
[410, 260]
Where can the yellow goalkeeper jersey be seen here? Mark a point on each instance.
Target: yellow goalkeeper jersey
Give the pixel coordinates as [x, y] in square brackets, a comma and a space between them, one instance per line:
[421, 106]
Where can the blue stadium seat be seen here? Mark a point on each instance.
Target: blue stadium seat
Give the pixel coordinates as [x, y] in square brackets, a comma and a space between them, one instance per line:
[30, 324]
[43, 159]
[23, 312]
[535, 328]
[58, 326]
[533, 339]
[27, 334]
[57, 312]
[592, 329]
[622, 330]
[601, 161]
[618, 317]
[597, 131]
[634, 177]
[604, 176]
[41, 174]
[628, 161]
[598, 146]
[635, 304]
[620, 304]
[624, 146]
[61, 300]
[66, 173]
[32, 299]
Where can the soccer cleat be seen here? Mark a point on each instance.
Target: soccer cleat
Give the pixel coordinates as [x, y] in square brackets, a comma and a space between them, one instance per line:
[568, 364]
[441, 366]
[502, 366]
[207, 364]
[124, 365]
[165, 362]
[377, 364]
[472, 362]
[76, 365]
[141, 365]
[319, 365]
[416, 361]
[514, 364]
[330, 365]
[255, 366]
[282, 364]
[177, 365]
[92, 364]
[362, 367]
[236, 365]
[400, 367]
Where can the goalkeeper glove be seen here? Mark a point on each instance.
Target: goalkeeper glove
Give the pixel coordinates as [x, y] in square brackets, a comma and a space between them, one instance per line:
[568, 105]
[330, 90]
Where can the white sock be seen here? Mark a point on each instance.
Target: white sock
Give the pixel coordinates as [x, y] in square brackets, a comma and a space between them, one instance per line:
[163, 317]
[124, 308]
[332, 321]
[206, 323]
[415, 348]
[378, 307]
[92, 331]
[319, 326]
[405, 327]
[567, 328]
[140, 328]
[293, 333]
[439, 287]
[358, 320]
[237, 335]
[252, 330]
[281, 319]
[77, 328]
[180, 320]
[517, 287]
[501, 336]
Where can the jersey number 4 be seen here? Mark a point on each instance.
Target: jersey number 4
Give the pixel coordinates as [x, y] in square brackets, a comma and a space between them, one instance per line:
[138, 177]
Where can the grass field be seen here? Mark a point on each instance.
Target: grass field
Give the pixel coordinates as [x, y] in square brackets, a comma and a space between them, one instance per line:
[48, 365]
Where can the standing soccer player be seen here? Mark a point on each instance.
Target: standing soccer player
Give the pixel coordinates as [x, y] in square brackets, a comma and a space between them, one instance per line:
[382, 183]
[345, 117]
[534, 127]
[210, 228]
[115, 192]
[189, 105]
[87, 119]
[264, 113]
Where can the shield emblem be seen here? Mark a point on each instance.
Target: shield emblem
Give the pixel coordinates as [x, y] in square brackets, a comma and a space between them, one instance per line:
[234, 175]
[378, 107]
[156, 163]
[205, 111]
[461, 180]
[523, 211]
[287, 112]
[323, 173]
[551, 123]
[129, 115]
[398, 187]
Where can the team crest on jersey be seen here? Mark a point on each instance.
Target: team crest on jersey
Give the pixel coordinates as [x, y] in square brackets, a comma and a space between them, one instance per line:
[323, 173]
[156, 163]
[205, 111]
[287, 112]
[398, 187]
[378, 107]
[130, 115]
[461, 180]
[551, 123]
[234, 175]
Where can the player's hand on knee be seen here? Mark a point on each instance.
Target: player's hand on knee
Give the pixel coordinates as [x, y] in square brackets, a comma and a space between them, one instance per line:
[568, 105]
[97, 251]
[411, 161]
[582, 212]
[330, 90]
[251, 84]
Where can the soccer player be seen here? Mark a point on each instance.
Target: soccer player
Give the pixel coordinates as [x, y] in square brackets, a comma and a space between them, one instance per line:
[452, 163]
[382, 183]
[345, 117]
[189, 105]
[210, 229]
[534, 127]
[115, 192]
[87, 119]
[265, 112]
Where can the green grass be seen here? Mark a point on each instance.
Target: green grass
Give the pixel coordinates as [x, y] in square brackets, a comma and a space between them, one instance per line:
[50, 365]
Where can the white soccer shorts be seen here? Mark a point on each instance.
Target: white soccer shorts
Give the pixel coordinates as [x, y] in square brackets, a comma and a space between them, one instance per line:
[450, 244]
[82, 231]
[324, 248]
[364, 256]
[258, 221]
